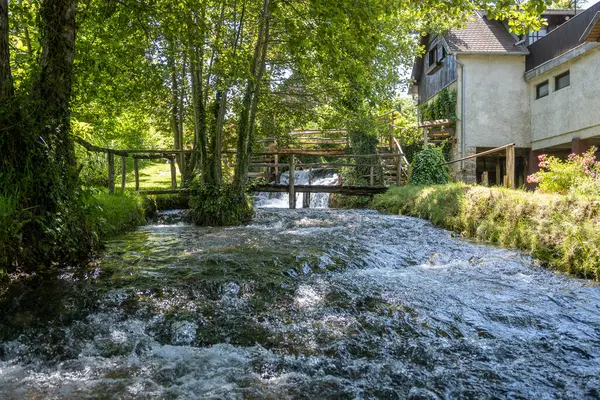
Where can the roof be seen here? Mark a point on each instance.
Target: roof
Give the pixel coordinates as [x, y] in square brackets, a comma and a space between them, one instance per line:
[481, 35]
[558, 11]
[592, 32]
[576, 31]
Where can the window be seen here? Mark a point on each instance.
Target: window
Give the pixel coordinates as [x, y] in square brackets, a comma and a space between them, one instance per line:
[433, 56]
[562, 81]
[542, 90]
[534, 36]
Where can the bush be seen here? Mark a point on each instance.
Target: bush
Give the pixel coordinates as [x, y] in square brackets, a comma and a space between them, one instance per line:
[219, 205]
[111, 214]
[426, 169]
[578, 175]
[560, 231]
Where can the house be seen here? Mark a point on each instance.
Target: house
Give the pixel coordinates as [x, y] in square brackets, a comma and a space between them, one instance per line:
[540, 91]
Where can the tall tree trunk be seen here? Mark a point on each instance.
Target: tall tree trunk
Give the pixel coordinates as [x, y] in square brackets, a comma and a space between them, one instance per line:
[199, 154]
[175, 112]
[9, 118]
[53, 89]
[180, 156]
[250, 103]
[6, 82]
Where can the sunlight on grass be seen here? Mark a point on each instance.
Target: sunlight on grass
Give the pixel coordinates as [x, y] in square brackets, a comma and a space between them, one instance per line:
[154, 175]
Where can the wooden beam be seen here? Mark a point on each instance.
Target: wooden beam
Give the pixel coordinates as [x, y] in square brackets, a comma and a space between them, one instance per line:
[348, 190]
[136, 171]
[123, 173]
[317, 132]
[510, 166]
[316, 165]
[306, 197]
[153, 156]
[483, 153]
[328, 154]
[173, 174]
[163, 191]
[439, 122]
[276, 168]
[111, 172]
[291, 192]
[398, 171]
[498, 172]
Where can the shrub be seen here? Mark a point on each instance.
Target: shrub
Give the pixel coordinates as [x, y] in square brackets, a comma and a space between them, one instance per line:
[111, 214]
[426, 169]
[579, 174]
[219, 205]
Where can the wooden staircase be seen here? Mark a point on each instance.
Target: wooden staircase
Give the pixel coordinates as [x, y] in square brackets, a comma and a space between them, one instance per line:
[395, 170]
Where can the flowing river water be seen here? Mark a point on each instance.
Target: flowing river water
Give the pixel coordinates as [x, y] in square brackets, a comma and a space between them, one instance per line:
[301, 304]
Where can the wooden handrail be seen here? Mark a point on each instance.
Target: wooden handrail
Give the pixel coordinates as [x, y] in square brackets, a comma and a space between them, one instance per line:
[439, 122]
[483, 153]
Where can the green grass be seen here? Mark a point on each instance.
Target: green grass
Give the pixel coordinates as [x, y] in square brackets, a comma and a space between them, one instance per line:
[109, 215]
[154, 175]
[563, 232]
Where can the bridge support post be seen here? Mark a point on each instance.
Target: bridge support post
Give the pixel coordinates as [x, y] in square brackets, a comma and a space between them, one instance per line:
[306, 198]
[111, 172]
[292, 191]
[173, 173]
[276, 168]
[123, 173]
[372, 176]
[136, 171]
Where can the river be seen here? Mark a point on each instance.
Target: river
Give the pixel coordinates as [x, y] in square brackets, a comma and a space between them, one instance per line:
[301, 304]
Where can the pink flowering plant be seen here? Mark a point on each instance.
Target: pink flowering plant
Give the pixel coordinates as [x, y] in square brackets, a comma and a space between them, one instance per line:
[579, 174]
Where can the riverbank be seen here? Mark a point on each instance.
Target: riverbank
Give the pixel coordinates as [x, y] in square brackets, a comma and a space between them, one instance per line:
[562, 232]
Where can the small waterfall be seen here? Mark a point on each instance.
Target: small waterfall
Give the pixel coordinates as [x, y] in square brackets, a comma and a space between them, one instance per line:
[317, 200]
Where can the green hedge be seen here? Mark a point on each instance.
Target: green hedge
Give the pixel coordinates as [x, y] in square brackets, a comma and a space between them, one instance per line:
[562, 232]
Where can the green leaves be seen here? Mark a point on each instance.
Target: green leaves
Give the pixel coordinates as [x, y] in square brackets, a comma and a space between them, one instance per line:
[426, 168]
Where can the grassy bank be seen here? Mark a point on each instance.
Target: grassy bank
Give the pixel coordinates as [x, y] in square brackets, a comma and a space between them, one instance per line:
[562, 232]
[109, 215]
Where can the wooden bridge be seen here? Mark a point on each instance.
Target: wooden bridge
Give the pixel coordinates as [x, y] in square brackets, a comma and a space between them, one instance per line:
[388, 166]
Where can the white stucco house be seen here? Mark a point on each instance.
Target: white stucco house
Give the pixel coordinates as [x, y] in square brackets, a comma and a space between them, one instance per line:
[540, 91]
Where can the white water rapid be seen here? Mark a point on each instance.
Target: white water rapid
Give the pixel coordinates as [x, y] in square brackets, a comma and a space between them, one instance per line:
[281, 200]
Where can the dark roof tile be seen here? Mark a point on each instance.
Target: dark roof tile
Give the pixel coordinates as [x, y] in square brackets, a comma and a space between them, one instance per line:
[481, 35]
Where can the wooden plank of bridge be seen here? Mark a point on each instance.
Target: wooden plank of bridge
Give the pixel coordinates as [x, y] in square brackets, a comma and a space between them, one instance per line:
[173, 173]
[164, 191]
[291, 191]
[111, 171]
[136, 171]
[349, 190]
[123, 173]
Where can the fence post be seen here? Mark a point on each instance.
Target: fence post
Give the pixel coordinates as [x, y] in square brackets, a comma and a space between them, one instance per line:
[123, 173]
[292, 191]
[399, 170]
[111, 172]
[372, 175]
[306, 197]
[510, 166]
[136, 171]
[173, 173]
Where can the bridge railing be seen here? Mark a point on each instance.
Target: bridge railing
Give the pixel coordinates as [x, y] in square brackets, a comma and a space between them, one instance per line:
[273, 167]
